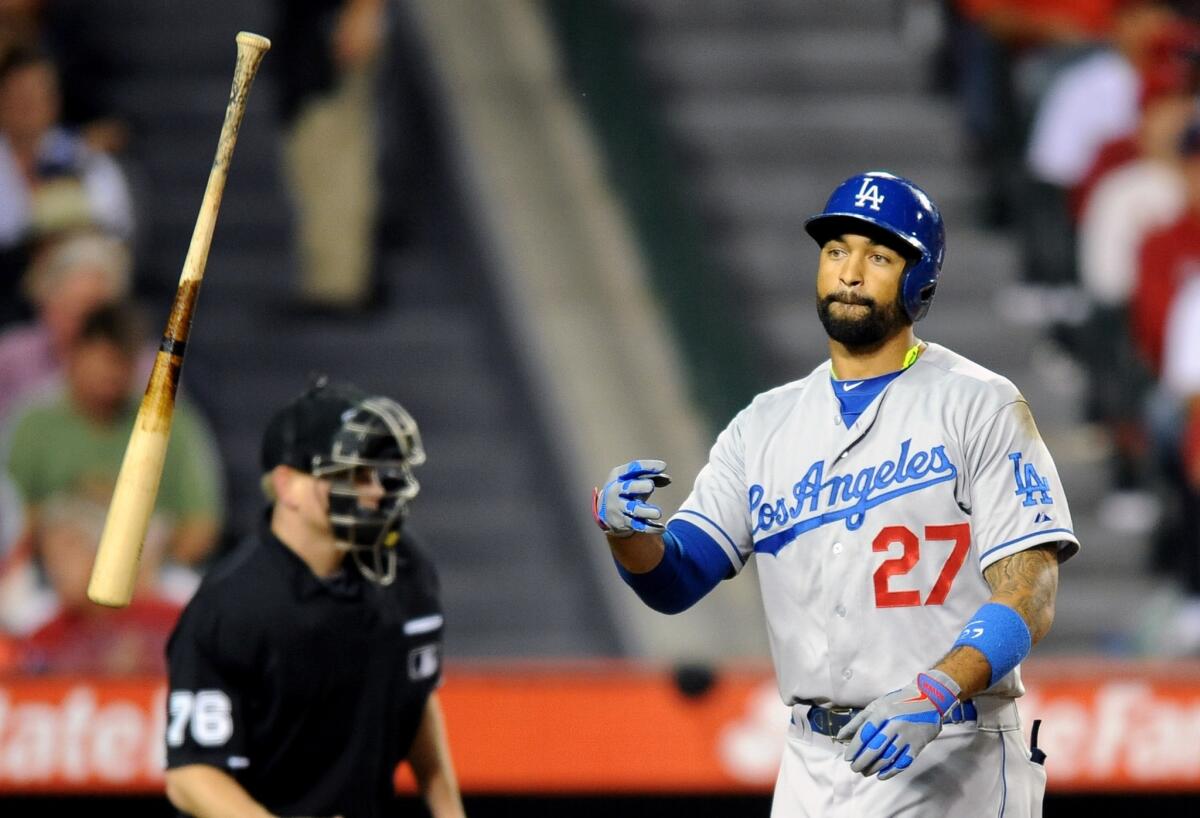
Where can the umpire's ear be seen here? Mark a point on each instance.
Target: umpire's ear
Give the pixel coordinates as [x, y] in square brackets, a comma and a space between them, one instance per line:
[282, 484]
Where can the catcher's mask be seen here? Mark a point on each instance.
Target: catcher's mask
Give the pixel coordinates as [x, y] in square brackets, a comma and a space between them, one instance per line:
[366, 446]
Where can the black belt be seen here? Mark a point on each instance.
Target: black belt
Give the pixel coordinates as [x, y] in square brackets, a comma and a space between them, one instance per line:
[829, 721]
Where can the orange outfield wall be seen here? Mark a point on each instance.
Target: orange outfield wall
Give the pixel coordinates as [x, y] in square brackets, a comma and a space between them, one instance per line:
[620, 727]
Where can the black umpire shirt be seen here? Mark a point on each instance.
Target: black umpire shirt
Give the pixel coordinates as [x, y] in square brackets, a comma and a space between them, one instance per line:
[307, 691]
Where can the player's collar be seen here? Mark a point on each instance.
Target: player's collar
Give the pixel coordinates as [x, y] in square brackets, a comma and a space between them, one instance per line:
[910, 357]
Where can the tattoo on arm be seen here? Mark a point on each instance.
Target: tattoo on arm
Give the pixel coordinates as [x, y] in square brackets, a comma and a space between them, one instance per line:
[1027, 582]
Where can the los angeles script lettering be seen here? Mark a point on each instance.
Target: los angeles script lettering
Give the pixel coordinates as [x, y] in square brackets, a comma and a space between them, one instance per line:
[863, 490]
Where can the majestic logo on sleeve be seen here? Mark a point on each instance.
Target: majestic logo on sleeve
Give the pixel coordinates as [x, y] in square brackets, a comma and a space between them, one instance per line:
[1035, 487]
[817, 500]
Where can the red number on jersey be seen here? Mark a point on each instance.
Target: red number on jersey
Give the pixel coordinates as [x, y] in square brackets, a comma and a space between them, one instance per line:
[885, 597]
[960, 533]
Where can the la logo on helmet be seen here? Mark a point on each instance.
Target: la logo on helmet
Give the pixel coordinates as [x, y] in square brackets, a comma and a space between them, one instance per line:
[868, 193]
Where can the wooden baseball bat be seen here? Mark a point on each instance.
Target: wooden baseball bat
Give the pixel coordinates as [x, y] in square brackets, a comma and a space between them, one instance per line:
[114, 572]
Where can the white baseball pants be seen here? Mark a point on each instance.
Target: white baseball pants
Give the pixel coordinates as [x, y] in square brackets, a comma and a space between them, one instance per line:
[972, 769]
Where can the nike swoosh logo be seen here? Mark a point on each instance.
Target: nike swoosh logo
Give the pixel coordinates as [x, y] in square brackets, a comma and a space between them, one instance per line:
[846, 387]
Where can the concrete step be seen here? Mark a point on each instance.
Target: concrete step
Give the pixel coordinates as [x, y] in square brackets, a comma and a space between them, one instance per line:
[177, 33]
[243, 220]
[877, 131]
[794, 60]
[764, 197]
[180, 100]
[192, 18]
[1097, 613]
[182, 165]
[813, 14]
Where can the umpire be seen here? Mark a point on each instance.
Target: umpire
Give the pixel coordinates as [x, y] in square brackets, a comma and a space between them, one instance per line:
[300, 678]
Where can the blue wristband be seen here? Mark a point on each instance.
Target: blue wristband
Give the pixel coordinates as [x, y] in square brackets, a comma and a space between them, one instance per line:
[1001, 635]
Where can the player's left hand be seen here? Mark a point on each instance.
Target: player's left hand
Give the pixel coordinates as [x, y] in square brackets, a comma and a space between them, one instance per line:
[891, 731]
[620, 508]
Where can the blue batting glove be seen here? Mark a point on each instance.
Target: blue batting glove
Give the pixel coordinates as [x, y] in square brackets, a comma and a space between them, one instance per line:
[891, 731]
[620, 507]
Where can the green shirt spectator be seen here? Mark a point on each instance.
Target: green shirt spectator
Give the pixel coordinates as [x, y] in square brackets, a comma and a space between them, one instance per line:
[72, 445]
[56, 449]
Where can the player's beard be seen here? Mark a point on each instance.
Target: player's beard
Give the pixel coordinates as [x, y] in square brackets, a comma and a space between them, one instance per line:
[862, 331]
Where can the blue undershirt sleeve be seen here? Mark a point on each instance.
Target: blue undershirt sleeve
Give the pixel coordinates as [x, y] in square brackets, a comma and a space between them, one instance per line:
[691, 566]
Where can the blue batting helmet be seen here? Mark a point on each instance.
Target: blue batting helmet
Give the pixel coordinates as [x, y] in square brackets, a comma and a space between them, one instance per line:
[900, 209]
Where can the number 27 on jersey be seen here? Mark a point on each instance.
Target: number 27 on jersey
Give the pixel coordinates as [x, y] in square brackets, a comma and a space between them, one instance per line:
[958, 534]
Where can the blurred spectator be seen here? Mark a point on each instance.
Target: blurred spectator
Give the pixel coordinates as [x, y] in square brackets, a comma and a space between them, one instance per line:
[20, 24]
[12, 517]
[1068, 131]
[1181, 375]
[50, 180]
[1167, 80]
[14, 550]
[326, 52]
[67, 280]
[1129, 203]
[1006, 50]
[9, 654]
[1165, 319]
[1070, 128]
[1168, 258]
[82, 637]
[73, 443]
[1137, 198]
[62, 27]
[1181, 383]
[1040, 22]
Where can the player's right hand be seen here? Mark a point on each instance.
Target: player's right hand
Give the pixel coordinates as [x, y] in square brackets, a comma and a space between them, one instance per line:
[620, 506]
[889, 733]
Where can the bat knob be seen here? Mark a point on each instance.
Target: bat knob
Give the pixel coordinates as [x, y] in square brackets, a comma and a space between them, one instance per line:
[252, 40]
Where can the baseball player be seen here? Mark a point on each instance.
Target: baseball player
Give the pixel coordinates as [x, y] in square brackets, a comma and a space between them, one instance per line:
[908, 523]
[304, 669]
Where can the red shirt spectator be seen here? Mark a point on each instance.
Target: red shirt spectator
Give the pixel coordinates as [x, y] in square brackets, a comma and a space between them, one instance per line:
[1167, 258]
[1112, 156]
[1191, 447]
[1036, 21]
[1168, 79]
[99, 641]
[9, 654]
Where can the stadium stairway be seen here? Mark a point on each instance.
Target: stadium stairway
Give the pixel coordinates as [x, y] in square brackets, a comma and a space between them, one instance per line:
[489, 506]
[770, 104]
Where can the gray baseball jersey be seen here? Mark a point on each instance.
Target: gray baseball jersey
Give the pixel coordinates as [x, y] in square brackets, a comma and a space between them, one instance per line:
[872, 539]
